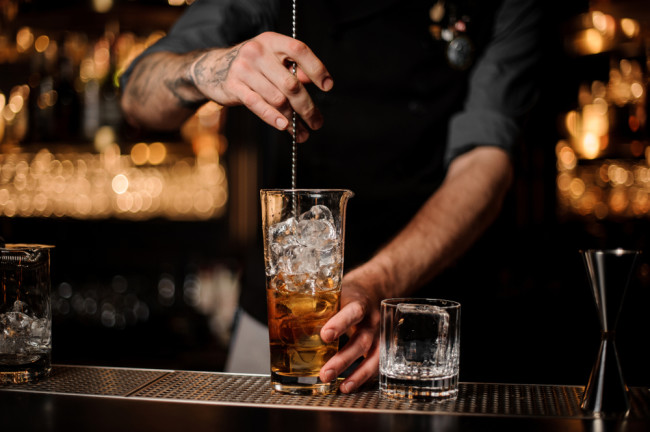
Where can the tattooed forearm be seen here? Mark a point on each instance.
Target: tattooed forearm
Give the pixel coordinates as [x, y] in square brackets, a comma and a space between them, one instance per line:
[214, 73]
[169, 71]
[178, 87]
[164, 90]
[180, 84]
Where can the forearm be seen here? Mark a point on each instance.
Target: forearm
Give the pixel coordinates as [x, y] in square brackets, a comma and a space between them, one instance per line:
[160, 93]
[467, 202]
[165, 88]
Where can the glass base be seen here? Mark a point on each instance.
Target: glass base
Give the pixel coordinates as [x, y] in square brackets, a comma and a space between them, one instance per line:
[429, 389]
[13, 372]
[304, 385]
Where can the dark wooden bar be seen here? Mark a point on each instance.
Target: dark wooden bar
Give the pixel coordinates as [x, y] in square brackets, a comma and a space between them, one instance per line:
[108, 399]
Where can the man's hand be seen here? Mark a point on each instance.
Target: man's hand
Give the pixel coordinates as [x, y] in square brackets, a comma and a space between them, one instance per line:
[165, 88]
[447, 224]
[257, 73]
[362, 292]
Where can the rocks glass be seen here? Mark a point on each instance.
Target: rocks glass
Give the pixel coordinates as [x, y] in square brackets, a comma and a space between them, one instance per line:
[419, 347]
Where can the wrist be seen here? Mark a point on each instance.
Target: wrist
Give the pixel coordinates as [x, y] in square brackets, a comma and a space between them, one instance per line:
[381, 270]
[183, 87]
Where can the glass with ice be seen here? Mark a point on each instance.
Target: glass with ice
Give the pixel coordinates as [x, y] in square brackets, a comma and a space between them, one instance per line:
[304, 232]
[419, 348]
[25, 313]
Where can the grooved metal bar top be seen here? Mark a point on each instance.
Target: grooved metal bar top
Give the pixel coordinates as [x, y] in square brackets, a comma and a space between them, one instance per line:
[513, 400]
[91, 381]
[473, 398]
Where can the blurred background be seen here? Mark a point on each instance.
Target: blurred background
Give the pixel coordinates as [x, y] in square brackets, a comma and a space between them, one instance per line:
[151, 229]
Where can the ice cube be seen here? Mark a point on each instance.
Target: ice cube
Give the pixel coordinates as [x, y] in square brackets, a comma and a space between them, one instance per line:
[20, 306]
[304, 245]
[297, 259]
[421, 333]
[330, 257]
[295, 283]
[326, 283]
[302, 305]
[14, 331]
[317, 212]
[40, 330]
[319, 234]
[14, 322]
[284, 233]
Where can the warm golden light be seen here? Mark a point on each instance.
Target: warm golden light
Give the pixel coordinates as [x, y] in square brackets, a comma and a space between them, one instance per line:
[571, 123]
[599, 21]
[140, 153]
[157, 153]
[630, 27]
[24, 39]
[618, 201]
[598, 90]
[2, 121]
[564, 181]
[120, 184]
[102, 6]
[41, 43]
[600, 106]
[153, 180]
[16, 102]
[593, 41]
[590, 145]
[576, 187]
[104, 137]
[567, 158]
[153, 38]
[636, 89]
[619, 176]
[625, 67]
[594, 121]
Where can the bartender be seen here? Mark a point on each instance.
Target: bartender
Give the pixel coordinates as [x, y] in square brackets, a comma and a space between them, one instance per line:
[416, 106]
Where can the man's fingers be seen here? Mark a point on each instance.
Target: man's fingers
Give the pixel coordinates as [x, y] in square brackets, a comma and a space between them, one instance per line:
[338, 364]
[349, 315]
[259, 65]
[366, 370]
[298, 97]
[261, 108]
[293, 50]
[360, 345]
[302, 132]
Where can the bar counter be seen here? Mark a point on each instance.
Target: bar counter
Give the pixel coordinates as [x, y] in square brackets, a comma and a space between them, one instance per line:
[109, 399]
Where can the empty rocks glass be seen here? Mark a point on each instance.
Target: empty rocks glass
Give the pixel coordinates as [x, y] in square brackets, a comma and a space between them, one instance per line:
[419, 348]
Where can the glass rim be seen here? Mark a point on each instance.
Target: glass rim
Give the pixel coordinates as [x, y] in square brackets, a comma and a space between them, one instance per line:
[613, 251]
[394, 302]
[25, 246]
[298, 190]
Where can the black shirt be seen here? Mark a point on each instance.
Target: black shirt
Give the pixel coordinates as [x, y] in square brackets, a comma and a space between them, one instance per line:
[398, 112]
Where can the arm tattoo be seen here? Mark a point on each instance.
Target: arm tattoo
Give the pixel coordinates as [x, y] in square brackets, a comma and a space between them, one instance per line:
[175, 86]
[180, 83]
[215, 74]
[177, 77]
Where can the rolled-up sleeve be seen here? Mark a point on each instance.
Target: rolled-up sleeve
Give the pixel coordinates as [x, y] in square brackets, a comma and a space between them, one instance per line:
[503, 84]
[213, 23]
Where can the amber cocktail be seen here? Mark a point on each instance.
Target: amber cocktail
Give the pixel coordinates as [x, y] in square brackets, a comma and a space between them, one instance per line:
[303, 253]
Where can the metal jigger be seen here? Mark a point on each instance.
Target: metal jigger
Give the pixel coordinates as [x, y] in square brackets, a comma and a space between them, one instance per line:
[609, 274]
